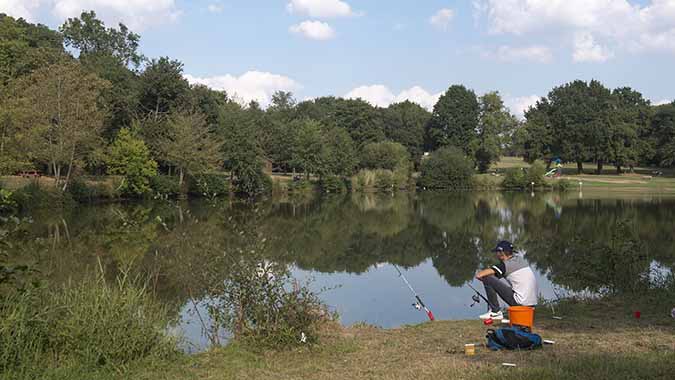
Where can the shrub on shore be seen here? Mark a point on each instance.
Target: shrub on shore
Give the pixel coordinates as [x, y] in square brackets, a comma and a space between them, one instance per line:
[447, 168]
[164, 186]
[92, 325]
[521, 179]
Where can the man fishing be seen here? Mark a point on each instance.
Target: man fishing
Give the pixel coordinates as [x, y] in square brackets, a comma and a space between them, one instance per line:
[512, 279]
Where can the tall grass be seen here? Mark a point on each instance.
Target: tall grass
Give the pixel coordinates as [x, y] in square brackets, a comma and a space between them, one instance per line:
[91, 325]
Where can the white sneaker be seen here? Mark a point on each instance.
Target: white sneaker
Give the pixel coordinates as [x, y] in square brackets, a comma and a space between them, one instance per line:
[492, 315]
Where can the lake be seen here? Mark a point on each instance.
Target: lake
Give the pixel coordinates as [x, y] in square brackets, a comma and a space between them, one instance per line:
[346, 247]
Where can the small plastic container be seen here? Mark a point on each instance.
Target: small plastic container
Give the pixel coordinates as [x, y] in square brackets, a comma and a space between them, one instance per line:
[521, 316]
[470, 349]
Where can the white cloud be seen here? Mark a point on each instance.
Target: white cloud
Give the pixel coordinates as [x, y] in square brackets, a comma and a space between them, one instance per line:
[587, 50]
[622, 24]
[662, 102]
[137, 14]
[506, 53]
[320, 8]
[315, 30]
[519, 105]
[215, 8]
[252, 85]
[441, 19]
[381, 96]
[377, 95]
[20, 8]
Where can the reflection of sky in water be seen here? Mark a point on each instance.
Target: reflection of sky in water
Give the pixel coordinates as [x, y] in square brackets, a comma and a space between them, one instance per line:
[378, 297]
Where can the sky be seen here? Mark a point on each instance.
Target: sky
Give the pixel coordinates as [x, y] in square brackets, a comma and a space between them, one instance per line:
[385, 51]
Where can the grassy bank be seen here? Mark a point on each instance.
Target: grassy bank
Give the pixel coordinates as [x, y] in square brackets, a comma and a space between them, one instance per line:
[599, 340]
[640, 181]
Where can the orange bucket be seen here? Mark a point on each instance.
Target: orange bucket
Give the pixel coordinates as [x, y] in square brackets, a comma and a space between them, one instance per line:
[521, 316]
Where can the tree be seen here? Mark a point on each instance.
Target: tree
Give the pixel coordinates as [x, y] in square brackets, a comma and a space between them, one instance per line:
[405, 123]
[161, 87]
[129, 157]
[446, 168]
[242, 151]
[535, 138]
[189, 146]
[662, 133]
[339, 153]
[454, 120]
[59, 117]
[25, 47]
[495, 127]
[89, 36]
[308, 151]
[385, 155]
[631, 117]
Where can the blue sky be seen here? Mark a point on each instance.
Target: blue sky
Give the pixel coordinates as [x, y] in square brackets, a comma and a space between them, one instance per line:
[386, 51]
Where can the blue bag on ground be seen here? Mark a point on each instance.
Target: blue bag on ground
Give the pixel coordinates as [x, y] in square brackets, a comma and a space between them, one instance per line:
[512, 338]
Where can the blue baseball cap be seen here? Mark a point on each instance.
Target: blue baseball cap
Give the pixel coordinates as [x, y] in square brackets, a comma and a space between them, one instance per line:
[503, 246]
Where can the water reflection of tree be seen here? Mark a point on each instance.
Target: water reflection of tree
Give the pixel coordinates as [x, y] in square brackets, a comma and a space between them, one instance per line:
[181, 247]
[602, 245]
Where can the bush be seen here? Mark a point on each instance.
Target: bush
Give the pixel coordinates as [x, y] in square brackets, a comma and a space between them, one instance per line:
[89, 325]
[301, 186]
[7, 203]
[563, 185]
[385, 155]
[210, 185]
[515, 179]
[333, 185]
[98, 324]
[521, 179]
[254, 184]
[265, 308]
[82, 191]
[165, 186]
[379, 180]
[384, 180]
[24, 334]
[447, 168]
[536, 174]
[33, 197]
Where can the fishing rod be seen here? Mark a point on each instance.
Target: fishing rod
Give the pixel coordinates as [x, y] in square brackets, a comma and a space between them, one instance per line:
[478, 294]
[419, 300]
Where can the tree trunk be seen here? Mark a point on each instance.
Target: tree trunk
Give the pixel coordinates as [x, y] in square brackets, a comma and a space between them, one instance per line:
[580, 167]
[619, 170]
[70, 168]
[180, 177]
[598, 171]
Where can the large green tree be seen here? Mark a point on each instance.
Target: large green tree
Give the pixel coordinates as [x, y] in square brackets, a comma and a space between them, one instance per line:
[495, 129]
[162, 87]
[25, 47]
[58, 114]
[454, 121]
[128, 156]
[662, 134]
[112, 54]
[89, 35]
[189, 146]
[405, 123]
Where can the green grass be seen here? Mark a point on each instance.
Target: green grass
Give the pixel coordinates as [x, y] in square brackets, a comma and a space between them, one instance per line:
[640, 182]
[595, 339]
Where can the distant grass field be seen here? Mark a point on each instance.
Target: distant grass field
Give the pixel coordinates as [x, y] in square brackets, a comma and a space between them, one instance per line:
[643, 179]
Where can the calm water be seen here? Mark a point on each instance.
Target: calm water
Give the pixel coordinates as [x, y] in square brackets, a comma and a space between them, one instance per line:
[348, 244]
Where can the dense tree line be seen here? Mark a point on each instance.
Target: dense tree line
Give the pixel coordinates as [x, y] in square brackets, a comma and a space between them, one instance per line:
[587, 122]
[74, 101]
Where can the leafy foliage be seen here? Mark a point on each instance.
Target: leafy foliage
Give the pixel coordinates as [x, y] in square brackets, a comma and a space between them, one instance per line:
[455, 120]
[385, 155]
[130, 157]
[447, 168]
